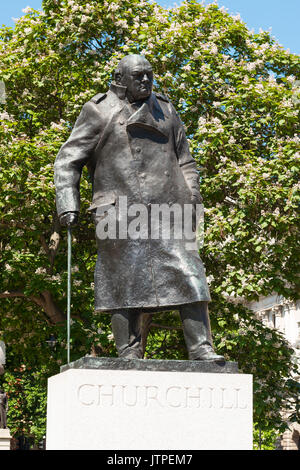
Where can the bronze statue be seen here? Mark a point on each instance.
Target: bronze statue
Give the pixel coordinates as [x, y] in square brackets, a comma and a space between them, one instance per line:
[3, 409]
[134, 144]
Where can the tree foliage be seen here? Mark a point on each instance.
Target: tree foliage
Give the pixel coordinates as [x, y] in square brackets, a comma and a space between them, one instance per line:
[237, 94]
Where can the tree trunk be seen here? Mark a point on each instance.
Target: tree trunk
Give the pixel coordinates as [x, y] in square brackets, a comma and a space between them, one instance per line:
[146, 324]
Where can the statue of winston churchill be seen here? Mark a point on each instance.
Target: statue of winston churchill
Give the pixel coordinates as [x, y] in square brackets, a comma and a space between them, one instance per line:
[134, 144]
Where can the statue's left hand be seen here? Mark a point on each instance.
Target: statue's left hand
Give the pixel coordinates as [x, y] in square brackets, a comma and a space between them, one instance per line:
[196, 199]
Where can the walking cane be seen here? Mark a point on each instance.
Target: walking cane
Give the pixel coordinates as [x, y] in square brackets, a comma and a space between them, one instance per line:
[69, 292]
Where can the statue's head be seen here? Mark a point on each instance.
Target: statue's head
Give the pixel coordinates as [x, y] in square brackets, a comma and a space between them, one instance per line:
[135, 73]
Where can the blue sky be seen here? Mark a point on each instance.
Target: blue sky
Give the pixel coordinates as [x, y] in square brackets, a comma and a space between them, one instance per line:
[282, 16]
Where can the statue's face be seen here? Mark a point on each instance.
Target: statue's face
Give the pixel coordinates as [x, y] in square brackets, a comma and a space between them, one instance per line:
[137, 76]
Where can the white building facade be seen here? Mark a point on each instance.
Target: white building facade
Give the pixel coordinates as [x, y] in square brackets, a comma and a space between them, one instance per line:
[277, 312]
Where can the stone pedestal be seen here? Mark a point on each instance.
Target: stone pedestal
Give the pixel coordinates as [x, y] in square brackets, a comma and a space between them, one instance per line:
[5, 439]
[109, 404]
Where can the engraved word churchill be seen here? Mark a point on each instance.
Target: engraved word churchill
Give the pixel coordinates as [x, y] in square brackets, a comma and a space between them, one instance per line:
[174, 396]
[134, 146]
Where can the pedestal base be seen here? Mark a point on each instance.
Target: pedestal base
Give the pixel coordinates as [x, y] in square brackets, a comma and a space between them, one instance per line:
[149, 405]
[5, 439]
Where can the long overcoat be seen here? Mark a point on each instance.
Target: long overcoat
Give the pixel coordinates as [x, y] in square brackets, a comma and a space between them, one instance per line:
[139, 151]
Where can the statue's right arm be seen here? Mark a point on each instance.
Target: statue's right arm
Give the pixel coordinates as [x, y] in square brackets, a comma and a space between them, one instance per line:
[73, 155]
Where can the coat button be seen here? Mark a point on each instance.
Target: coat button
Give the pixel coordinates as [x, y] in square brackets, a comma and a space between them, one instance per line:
[121, 123]
[167, 173]
[138, 149]
[142, 175]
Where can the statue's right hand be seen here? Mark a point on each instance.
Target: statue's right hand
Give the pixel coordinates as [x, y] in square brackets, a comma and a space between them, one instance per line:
[68, 219]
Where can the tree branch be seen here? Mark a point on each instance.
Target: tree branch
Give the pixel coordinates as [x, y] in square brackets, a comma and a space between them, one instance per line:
[165, 327]
[53, 313]
[52, 249]
[146, 323]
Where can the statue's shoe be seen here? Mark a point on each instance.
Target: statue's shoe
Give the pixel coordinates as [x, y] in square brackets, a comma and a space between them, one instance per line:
[208, 354]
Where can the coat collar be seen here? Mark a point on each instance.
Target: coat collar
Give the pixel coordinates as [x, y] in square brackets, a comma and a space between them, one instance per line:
[149, 116]
[119, 90]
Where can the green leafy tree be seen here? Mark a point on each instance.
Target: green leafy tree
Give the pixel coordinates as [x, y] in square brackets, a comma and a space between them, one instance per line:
[237, 94]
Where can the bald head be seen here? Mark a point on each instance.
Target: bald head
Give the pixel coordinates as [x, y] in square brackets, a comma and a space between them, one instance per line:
[135, 73]
[130, 61]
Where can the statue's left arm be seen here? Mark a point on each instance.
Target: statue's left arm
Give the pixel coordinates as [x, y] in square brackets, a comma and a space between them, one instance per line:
[186, 162]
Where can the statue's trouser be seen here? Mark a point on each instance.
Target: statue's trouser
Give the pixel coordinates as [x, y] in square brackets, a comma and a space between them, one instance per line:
[197, 331]
[126, 327]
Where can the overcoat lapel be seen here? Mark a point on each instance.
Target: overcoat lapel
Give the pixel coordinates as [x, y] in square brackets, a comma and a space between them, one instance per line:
[149, 116]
